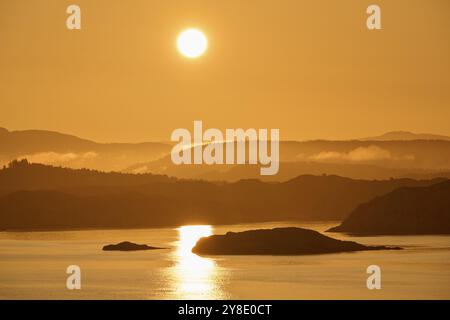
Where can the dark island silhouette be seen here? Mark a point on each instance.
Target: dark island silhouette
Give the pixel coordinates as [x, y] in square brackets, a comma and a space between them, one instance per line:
[418, 210]
[128, 246]
[34, 196]
[278, 241]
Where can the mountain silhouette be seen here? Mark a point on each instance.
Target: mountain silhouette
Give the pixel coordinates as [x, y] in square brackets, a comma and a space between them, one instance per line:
[408, 210]
[406, 135]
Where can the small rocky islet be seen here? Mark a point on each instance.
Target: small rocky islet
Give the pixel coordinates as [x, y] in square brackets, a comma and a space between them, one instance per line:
[128, 246]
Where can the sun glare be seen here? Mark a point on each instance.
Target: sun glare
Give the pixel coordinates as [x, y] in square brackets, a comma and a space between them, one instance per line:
[192, 43]
[195, 275]
[189, 235]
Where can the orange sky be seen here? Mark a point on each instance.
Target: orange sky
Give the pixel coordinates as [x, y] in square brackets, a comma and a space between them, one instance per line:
[309, 68]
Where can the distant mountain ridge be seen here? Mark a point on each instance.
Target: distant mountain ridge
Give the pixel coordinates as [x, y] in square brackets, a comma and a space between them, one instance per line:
[359, 159]
[406, 135]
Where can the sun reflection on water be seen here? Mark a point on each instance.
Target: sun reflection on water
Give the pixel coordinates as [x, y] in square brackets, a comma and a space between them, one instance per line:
[196, 277]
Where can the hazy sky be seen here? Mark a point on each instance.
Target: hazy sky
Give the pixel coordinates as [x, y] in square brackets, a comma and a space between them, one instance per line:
[308, 67]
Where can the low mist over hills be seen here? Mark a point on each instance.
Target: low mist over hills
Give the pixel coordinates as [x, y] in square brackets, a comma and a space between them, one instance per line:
[395, 154]
[354, 159]
[37, 196]
[55, 148]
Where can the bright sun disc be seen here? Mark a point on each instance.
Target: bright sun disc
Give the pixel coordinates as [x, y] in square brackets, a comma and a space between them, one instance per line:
[192, 43]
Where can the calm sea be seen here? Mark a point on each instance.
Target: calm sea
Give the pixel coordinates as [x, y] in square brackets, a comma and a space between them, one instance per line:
[33, 266]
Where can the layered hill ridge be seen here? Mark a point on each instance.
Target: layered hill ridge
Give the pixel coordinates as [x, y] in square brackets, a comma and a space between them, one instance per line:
[395, 154]
[355, 159]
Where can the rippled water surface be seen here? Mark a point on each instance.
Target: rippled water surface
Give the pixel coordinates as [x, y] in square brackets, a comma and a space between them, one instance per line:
[33, 266]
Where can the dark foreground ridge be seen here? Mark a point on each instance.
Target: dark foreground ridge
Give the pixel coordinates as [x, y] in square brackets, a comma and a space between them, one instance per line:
[278, 241]
[38, 197]
[419, 210]
[128, 246]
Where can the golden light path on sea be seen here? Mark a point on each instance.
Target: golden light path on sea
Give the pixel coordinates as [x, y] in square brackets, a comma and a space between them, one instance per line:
[195, 276]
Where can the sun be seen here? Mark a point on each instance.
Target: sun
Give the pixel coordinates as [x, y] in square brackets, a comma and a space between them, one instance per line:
[192, 43]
